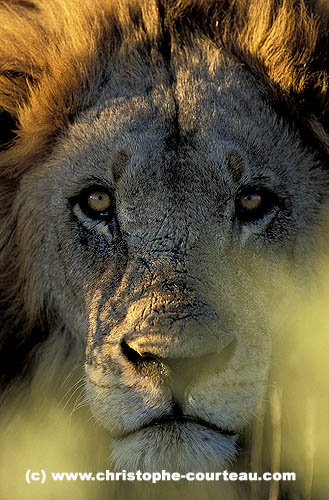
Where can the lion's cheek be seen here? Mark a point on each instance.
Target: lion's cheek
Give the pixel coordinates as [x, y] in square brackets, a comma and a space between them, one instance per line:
[119, 408]
[227, 406]
[231, 399]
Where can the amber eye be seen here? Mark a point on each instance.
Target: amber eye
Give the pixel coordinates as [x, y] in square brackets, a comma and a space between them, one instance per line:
[99, 201]
[250, 201]
[252, 205]
[95, 202]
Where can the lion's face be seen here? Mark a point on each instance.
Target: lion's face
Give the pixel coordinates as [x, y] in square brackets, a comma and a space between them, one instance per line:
[153, 214]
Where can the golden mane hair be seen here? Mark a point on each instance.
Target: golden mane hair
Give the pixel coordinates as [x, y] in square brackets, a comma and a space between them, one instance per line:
[54, 53]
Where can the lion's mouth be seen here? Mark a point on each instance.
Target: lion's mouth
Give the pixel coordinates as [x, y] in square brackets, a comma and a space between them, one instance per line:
[186, 419]
[177, 418]
[183, 419]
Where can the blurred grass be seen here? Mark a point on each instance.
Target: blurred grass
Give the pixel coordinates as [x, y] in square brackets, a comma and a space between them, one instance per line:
[42, 435]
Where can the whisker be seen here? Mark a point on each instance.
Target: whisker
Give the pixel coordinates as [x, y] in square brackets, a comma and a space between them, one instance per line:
[80, 402]
[70, 374]
[71, 388]
[77, 388]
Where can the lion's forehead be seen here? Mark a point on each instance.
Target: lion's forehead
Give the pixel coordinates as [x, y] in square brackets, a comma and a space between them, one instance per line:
[192, 100]
[182, 130]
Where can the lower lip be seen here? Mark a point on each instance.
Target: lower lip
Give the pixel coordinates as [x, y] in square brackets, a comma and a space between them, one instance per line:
[190, 420]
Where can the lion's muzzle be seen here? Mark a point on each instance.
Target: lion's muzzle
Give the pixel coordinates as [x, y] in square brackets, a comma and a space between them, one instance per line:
[165, 361]
[176, 372]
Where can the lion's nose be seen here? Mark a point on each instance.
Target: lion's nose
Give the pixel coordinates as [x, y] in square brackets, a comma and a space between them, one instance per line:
[177, 373]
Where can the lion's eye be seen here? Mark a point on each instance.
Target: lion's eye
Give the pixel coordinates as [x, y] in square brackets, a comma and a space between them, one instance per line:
[253, 205]
[99, 201]
[95, 202]
[250, 201]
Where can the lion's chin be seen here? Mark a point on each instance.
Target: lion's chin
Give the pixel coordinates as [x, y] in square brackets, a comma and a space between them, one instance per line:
[180, 447]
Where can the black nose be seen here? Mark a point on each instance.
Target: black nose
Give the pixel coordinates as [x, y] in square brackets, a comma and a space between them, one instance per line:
[177, 373]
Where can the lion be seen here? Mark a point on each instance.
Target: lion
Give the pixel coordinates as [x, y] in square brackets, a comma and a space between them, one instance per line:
[162, 163]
